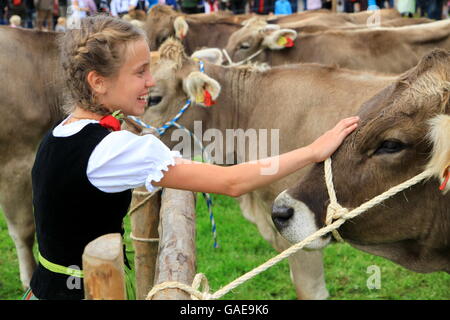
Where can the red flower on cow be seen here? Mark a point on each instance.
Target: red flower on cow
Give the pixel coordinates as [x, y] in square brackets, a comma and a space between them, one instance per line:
[112, 121]
[207, 98]
[289, 43]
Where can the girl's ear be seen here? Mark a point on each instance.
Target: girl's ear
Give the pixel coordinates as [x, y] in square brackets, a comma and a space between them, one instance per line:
[97, 82]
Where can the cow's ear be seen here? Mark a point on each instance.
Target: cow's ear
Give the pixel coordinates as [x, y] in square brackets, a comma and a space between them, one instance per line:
[201, 89]
[181, 27]
[212, 55]
[440, 160]
[280, 39]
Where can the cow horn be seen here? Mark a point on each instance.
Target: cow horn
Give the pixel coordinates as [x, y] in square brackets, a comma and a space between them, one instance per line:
[212, 55]
[181, 27]
[440, 159]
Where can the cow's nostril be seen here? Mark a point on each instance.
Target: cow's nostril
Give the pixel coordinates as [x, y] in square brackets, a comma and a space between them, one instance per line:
[281, 215]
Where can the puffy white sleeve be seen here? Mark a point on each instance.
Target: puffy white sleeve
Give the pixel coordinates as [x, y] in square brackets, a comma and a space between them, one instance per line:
[123, 160]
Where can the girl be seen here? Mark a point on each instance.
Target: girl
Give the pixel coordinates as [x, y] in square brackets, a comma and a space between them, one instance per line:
[84, 172]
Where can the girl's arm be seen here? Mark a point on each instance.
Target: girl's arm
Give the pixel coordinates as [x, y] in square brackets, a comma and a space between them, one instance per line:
[245, 177]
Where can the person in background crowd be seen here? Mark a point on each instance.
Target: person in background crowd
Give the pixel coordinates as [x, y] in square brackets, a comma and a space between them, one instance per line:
[139, 11]
[238, 6]
[349, 6]
[61, 25]
[92, 7]
[327, 4]
[44, 10]
[18, 8]
[190, 6]
[29, 20]
[434, 9]
[211, 6]
[262, 6]
[172, 3]
[421, 5]
[121, 7]
[314, 4]
[81, 8]
[62, 9]
[15, 21]
[294, 5]
[407, 8]
[283, 7]
[102, 6]
[2, 12]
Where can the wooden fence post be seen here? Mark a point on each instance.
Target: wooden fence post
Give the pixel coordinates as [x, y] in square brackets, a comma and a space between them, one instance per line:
[176, 259]
[144, 224]
[103, 265]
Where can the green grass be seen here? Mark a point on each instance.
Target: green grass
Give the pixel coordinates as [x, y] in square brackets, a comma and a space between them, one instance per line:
[242, 249]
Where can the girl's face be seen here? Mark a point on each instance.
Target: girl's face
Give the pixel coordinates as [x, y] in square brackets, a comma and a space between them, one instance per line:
[128, 91]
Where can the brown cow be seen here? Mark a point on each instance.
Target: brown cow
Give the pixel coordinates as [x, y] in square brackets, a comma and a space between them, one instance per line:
[390, 50]
[404, 129]
[29, 102]
[355, 18]
[196, 32]
[289, 98]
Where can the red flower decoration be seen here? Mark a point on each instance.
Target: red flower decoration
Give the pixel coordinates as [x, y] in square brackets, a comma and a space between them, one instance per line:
[208, 101]
[110, 122]
[289, 43]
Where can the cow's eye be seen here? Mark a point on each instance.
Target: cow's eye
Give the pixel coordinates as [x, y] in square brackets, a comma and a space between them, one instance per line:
[245, 45]
[390, 146]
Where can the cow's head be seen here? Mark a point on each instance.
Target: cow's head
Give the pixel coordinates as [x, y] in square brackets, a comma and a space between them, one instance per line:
[258, 35]
[177, 79]
[162, 23]
[404, 130]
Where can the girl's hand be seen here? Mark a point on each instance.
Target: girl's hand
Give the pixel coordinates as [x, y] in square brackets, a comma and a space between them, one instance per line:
[324, 146]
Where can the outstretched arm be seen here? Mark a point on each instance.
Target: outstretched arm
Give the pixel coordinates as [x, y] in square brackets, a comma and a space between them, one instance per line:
[245, 177]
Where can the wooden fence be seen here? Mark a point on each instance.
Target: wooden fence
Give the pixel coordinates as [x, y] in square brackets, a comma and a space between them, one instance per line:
[169, 217]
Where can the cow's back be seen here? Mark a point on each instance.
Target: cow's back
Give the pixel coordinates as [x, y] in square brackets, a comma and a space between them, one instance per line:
[31, 88]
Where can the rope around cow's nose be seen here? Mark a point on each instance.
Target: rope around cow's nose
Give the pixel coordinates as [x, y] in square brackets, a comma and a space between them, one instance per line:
[334, 211]
[337, 212]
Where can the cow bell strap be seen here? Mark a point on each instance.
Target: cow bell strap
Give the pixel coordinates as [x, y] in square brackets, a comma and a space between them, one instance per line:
[53, 267]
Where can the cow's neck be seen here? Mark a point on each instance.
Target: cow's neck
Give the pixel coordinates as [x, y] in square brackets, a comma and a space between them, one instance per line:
[203, 34]
[236, 99]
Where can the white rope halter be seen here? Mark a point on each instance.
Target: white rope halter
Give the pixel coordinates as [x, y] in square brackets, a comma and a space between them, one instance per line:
[234, 64]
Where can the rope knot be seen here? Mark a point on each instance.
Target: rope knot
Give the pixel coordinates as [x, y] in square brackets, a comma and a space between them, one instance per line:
[334, 212]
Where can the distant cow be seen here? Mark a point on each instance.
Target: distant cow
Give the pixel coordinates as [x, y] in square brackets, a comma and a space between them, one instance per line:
[30, 99]
[390, 50]
[404, 130]
[196, 32]
[302, 101]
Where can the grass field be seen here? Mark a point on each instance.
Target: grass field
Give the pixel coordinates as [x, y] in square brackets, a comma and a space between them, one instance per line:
[242, 249]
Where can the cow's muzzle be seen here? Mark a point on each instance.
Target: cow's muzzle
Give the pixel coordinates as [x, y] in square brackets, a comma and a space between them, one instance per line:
[295, 221]
[281, 215]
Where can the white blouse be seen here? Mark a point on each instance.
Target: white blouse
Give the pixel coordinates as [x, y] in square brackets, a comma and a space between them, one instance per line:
[123, 160]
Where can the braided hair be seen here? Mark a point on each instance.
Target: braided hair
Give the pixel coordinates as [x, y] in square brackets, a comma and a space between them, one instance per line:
[98, 45]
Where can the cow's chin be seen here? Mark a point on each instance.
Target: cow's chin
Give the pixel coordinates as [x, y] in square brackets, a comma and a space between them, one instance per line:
[300, 225]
